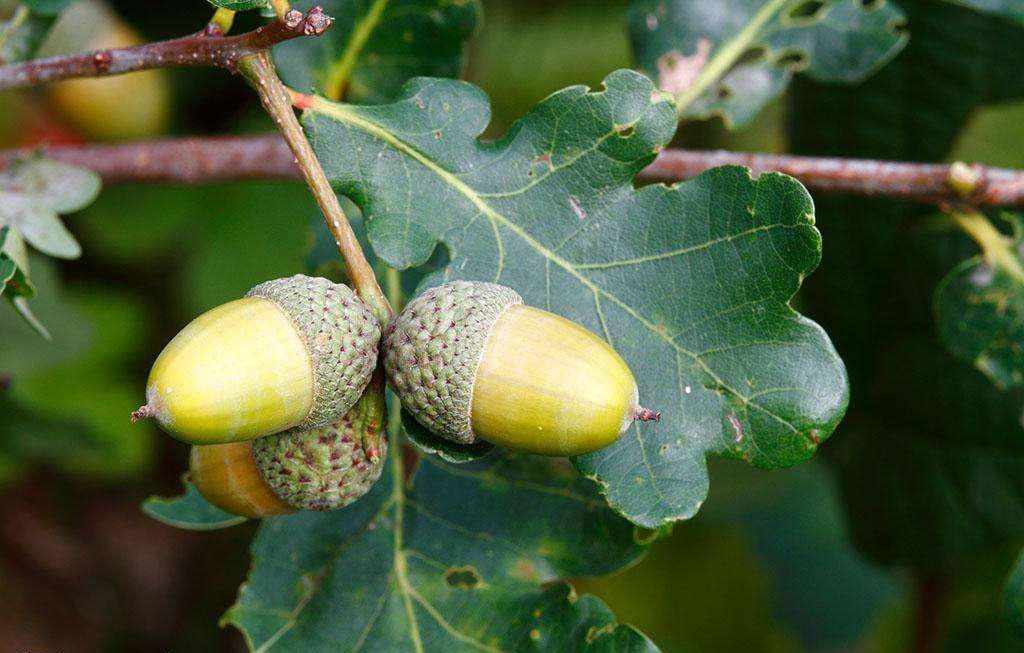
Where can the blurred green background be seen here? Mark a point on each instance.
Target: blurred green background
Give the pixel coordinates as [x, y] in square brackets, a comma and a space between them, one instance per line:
[766, 566]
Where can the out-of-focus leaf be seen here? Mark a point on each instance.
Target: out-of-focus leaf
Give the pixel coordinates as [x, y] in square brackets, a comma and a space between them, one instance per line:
[373, 47]
[28, 438]
[1012, 9]
[22, 34]
[33, 192]
[793, 521]
[979, 310]
[992, 131]
[247, 233]
[16, 286]
[14, 264]
[730, 58]
[551, 211]
[679, 593]
[409, 567]
[933, 455]
[134, 226]
[75, 388]
[47, 7]
[972, 617]
[190, 511]
[528, 50]
[21, 351]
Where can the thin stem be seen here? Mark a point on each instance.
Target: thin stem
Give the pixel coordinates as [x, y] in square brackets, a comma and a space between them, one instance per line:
[401, 473]
[410, 457]
[997, 249]
[201, 49]
[259, 72]
[225, 158]
[393, 284]
[727, 55]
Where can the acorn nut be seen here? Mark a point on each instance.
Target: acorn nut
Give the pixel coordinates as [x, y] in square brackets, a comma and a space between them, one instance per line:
[294, 353]
[469, 360]
[319, 469]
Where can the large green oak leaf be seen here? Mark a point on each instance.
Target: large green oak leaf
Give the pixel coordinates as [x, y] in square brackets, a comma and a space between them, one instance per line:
[730, 58]
[691, 283]
[374, 46]
[454, 559]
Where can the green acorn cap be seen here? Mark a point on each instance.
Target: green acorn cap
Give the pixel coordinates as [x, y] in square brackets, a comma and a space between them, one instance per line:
[340, 334]
[329, 467]
[432, 350]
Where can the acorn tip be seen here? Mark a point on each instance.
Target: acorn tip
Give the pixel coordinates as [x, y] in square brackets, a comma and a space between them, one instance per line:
[646, 415]
[144, 412]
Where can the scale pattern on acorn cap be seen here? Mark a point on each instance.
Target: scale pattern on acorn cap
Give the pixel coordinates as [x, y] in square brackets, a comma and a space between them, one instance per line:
[432, 350]
[321, 469]
[340, 333]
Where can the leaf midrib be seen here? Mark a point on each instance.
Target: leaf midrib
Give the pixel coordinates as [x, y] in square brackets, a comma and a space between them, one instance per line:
[728, 54]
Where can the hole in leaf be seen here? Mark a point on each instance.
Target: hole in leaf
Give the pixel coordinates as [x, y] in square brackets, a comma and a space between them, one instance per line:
[724, 92]
[898, 27]
[751, 55]
[807, 10]
[871, 5]
[464, 578]
[792, 59]
[624, 131]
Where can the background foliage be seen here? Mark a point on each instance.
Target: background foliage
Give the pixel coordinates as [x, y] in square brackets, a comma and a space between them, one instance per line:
[922, 478]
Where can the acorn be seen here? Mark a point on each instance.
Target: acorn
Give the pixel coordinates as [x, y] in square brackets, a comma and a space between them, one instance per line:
[294, 353]
[136, 105]
[319, 469]
[470, 361]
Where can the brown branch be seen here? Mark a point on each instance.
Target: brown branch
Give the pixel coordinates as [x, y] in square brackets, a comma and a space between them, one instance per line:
[923, 182]
[193, 161]
[206, 48]
[206, 159]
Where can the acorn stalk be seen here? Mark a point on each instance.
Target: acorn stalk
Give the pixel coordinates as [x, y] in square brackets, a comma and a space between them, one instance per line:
[470, 361]
[294, 353]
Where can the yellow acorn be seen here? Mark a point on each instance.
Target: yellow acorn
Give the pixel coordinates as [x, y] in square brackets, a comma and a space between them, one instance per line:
[132, 106]
[294, 353]
[227, 476]
[470, 361]
[319, 469]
